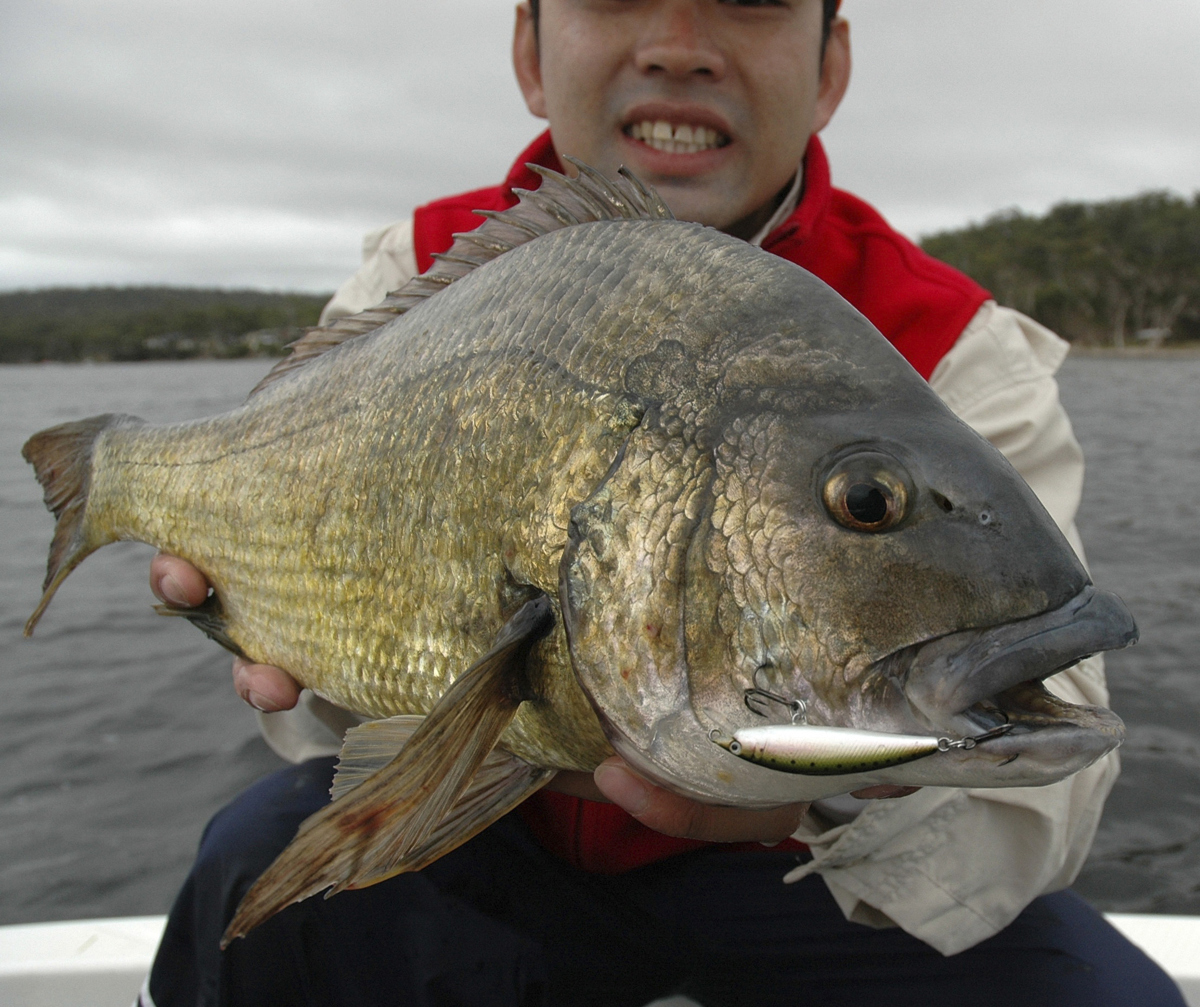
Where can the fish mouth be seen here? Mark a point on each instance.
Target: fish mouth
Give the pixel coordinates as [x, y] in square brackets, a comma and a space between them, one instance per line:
[961, 685]
[978, 679]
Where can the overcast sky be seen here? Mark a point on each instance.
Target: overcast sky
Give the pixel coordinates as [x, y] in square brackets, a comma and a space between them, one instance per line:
[252, 142]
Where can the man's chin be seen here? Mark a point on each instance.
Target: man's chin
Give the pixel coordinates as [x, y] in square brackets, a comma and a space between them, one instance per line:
[700, 187]
[701, 200]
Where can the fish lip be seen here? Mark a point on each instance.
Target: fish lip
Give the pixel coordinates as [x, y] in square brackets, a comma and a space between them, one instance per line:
[948, 675]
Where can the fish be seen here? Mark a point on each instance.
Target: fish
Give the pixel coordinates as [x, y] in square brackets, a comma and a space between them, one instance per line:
[597, 482]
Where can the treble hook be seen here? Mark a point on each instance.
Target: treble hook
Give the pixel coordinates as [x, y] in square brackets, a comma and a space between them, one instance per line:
[798, 707]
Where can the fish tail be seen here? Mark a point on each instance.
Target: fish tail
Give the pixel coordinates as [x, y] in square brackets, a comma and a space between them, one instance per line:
[62, 459]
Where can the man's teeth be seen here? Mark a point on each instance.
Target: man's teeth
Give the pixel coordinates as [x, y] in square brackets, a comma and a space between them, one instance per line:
[682, 139]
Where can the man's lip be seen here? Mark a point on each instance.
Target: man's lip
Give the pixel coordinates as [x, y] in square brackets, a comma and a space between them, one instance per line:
[677, 114]
[662, 164]
[656, 165]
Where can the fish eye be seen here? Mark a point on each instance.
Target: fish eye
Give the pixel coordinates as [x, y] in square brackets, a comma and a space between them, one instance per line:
[867, 491]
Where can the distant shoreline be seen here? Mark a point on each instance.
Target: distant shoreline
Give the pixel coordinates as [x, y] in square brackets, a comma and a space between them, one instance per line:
[1188, 349]
[101, 361]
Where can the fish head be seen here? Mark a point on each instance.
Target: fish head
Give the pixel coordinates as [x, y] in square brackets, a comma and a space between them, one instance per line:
[826, 530]
[909, 583]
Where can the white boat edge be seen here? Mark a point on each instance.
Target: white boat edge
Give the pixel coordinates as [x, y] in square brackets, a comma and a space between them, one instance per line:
[103, 963]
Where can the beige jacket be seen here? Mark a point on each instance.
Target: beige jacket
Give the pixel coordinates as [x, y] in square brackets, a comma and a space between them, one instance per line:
[951, 867]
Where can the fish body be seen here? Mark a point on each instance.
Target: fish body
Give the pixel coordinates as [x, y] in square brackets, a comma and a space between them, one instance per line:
[716, 474]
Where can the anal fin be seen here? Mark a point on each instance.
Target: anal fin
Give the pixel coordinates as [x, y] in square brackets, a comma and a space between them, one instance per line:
[392, 821]
[501, 783]
[367, 748]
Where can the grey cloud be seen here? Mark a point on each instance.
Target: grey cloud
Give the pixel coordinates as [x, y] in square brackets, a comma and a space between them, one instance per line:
[960, 109]
[137, 134]
[253, 143]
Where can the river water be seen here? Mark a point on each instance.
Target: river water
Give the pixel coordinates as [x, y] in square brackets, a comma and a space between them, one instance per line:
[120, 734]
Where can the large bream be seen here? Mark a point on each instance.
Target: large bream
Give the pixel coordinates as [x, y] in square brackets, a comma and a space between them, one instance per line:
[603, 480]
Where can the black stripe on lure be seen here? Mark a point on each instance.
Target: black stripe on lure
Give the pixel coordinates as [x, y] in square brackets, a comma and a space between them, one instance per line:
[809, 750]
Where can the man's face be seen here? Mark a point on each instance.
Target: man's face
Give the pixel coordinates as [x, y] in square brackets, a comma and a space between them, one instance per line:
[740, 87]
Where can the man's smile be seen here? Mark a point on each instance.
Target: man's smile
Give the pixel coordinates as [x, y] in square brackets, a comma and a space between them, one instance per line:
[681, 138]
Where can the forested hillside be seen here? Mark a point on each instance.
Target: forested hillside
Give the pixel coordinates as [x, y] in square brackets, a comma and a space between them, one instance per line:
[150, 323]
[1113, 273]
[1121, 272]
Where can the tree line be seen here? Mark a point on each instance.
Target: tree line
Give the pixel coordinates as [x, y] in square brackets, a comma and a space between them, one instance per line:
[150, 323]
[1112, 273]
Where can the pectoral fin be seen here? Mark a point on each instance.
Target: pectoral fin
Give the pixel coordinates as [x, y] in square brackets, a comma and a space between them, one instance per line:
[411, 811]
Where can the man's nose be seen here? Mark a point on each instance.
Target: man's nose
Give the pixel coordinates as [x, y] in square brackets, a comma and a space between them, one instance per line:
[677, 42]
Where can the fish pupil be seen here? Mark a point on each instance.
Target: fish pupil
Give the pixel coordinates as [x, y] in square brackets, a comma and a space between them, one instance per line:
[866, 503]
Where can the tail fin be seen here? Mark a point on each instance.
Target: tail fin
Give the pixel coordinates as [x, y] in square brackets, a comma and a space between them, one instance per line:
[62, 459]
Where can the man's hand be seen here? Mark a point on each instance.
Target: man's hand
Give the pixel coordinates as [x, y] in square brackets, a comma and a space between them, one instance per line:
[663, 811]
[176, 582]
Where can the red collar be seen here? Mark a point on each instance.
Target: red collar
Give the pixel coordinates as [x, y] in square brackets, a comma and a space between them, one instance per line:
[921, 305]
[815, 199]
[814, 202]
[542, 153]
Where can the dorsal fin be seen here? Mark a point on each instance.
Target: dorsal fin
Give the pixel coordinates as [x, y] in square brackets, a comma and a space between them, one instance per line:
[559, 202]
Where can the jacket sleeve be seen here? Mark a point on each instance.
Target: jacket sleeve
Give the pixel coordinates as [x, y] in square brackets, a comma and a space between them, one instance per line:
[314, 727]
[388, 262]
[953, 867]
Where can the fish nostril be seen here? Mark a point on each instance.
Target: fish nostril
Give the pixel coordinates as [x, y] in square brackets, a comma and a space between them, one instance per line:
[942, 501]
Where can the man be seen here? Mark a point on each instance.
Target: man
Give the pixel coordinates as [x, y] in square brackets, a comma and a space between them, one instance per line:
[571, 900]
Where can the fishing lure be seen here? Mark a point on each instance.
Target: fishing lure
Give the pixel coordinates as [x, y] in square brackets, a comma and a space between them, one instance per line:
[809, 750]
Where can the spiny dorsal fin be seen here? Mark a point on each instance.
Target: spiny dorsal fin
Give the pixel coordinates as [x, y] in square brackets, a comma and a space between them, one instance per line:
[559, 202]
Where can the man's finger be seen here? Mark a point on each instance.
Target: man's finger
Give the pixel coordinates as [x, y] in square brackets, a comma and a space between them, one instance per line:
[264, 687]
[673, 815]
[577, 784]
[177, 582]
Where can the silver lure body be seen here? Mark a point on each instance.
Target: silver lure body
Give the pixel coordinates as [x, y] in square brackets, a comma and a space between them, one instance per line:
[829, 751]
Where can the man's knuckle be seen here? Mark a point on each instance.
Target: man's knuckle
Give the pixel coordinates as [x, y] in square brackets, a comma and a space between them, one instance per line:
[693, 821]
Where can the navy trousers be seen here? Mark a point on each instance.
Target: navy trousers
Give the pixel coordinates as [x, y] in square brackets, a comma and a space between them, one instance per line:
[502, 922]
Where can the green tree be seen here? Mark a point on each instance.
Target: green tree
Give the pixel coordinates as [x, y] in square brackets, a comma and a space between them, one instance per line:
[1096, 273]
[149, 323]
